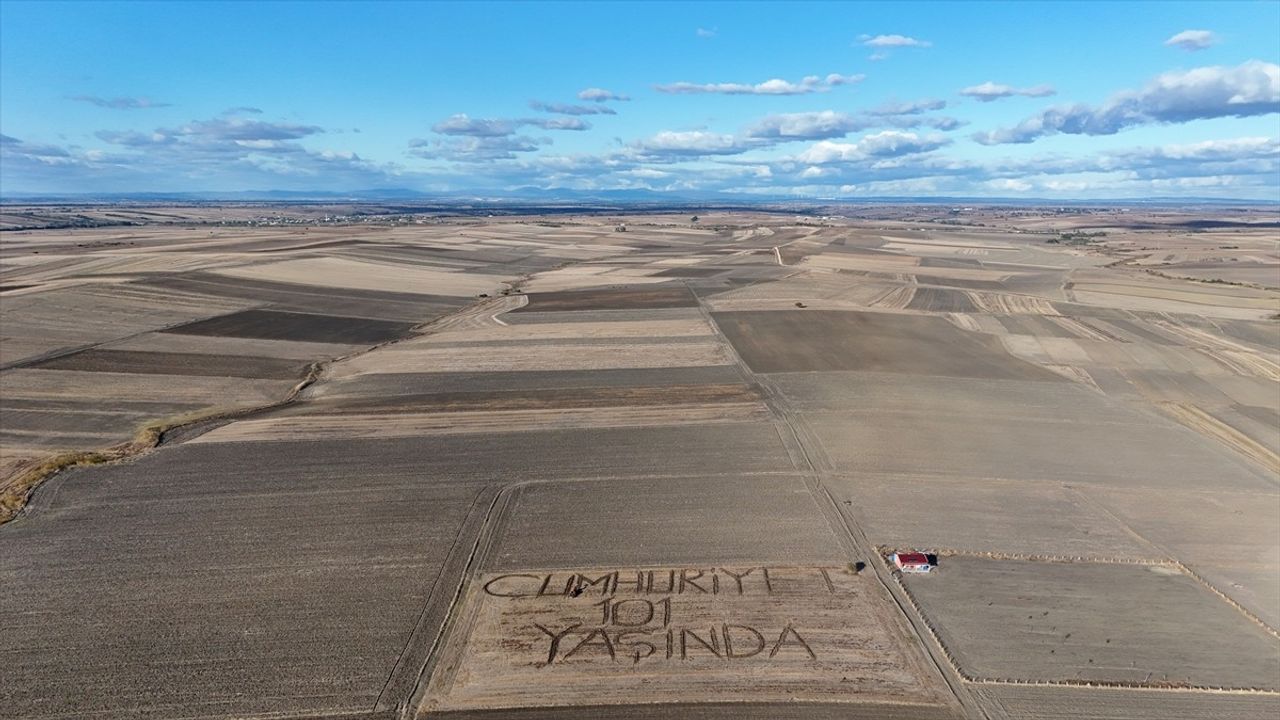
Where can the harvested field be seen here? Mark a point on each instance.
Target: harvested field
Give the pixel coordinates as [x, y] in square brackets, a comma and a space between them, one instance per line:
[566, 526]
[359, 275]
[269, 613]
[276, 325]
[800, 341]
[415, 424]
[584, 329]
[692, 272]
[161, 342]
[116, 386]
[1081, 622]
[365, 386]
[540, 399]
[425, 357]
[377, 304]
[1028, 702]
[161, 363]
[1136, 453]
[940, 300]
[1009, 516]
[620, 298]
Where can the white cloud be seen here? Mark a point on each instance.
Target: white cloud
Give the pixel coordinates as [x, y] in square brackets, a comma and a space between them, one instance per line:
[893, 41]
[463, 124]
[990, 91]
[775, 86]
[482, 148]
[886, 144]
[601, 95]
[689, 143]
[705, 33]
[804, 126]
[1010, 184]
[913, 107]
[566, 123]
[1220, 149]
[1252, 88]
[1192, 40]
[567, 109]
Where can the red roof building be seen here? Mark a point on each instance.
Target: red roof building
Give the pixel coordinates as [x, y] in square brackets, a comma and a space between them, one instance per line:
[913, 562]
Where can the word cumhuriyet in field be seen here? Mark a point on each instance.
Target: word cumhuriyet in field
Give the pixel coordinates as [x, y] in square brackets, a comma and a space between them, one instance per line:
[724, 613]
[719, 632]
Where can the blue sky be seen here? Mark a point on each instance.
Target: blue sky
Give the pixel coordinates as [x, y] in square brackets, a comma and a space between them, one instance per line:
[1070, 100]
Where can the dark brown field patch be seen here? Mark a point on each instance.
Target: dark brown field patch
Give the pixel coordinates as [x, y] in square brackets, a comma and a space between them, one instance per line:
[544, 399]
[166, 363]
[621, 298]
[936, 262]
[821, 340]
[278, 325]
[966, 284]
[691, 272]
[940, 300]
[384, 305]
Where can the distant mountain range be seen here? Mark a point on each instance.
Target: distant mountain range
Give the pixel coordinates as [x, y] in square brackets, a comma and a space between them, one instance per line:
[579, 197]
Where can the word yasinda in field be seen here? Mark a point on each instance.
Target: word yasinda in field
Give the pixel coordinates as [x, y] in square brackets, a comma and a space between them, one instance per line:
[671, 614]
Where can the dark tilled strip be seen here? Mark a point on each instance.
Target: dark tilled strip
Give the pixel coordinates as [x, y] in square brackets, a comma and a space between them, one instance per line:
[621, 298]
[941, 300]
[164, 363]
[279, 325]
[561, 398]
[692, 272]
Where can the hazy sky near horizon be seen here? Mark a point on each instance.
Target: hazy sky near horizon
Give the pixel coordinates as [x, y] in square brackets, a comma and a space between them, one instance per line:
[1004, 99]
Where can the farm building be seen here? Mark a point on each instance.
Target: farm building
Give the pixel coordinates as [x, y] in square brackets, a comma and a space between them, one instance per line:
[912, 562]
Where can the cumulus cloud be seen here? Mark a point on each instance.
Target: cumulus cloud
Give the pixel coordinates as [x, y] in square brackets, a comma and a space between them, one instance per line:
[804, 126]
[567, 123]
[828, 124]
[913, 107]
[601, 95]
[220, 131]
[892, 41]
[1252, 88]
[1192, 40]
[670, 144]
[222, 152]
[119, 103]
[462, 124]
[990, 91]
[567, 109]
[886, 144]
[14, 149]
[1236, 156]
[482, 148]
[775, 86]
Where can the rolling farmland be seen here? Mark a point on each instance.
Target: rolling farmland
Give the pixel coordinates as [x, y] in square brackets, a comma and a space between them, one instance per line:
[529, 467]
